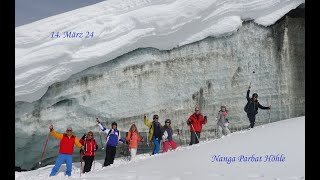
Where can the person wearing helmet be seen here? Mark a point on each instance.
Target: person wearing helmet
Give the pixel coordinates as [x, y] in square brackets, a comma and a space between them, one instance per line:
[113, 137]
[167, 133]
[252, 106]
[223, 121]
[154, 132]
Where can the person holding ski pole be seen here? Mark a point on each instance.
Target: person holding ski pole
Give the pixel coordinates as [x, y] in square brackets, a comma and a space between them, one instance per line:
[67, 142]
[167, 133]
[251, 108]
[195, 122]
[223, 121]
[113, 137]
[133, 138]
[154, 132]
[90, 147]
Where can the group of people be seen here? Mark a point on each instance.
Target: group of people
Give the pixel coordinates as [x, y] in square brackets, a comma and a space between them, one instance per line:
[157, 132]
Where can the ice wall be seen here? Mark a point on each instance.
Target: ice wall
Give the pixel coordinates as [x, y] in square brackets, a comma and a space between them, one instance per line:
[209, 73]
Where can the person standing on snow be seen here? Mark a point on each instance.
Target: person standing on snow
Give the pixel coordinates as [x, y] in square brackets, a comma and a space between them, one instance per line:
[223, 121]
[90, 147]
[167, 136]
[133, 138]
[195, 122]
[252, 106]
[113, 137]
[67, 142]
[154, 132]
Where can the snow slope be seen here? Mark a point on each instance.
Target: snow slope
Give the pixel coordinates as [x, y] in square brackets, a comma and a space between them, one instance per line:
[121, 26]
[286, 138]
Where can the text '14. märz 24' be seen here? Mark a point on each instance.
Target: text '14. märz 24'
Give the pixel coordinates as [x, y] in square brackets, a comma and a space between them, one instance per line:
[72, 34]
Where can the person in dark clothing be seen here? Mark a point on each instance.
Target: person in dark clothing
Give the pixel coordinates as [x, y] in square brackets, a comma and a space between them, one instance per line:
[154, 132]
[90, 147]
[252, 106]
[113, 137]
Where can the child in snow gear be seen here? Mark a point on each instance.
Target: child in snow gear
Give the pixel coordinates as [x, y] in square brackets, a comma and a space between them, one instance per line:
[133, 138]
[113, 137]
[90, 147]
[154, 132]
[195, 122]
[252, 106]
[223, 121]
[167, 133]
[67, 142]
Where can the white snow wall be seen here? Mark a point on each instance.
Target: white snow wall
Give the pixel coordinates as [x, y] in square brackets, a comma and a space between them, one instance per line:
[213, 72]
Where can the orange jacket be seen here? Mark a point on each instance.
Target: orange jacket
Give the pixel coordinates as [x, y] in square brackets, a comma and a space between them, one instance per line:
[133, 139]
[66, 142]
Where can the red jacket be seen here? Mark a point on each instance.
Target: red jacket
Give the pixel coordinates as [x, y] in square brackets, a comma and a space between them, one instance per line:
[66, 144]
[90, 146]
[196, 121]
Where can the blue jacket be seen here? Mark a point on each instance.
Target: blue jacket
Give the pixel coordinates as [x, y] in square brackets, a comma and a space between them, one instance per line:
[114, 136]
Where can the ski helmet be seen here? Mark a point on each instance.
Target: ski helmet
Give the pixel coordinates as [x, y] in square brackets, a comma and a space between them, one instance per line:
[155, 116]
[168, 121]
[114, 123]
[255, 95]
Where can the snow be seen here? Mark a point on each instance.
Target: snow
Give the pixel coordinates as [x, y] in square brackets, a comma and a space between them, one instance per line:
[122, 26]
[285, 139]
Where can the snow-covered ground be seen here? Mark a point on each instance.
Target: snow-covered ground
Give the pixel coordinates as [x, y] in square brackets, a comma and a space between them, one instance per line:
[228, 158]
[115, 27]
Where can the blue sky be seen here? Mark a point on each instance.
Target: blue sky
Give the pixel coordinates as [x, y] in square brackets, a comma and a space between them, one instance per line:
[27, 11]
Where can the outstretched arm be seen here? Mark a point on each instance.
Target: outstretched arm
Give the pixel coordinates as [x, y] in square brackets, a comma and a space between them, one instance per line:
[54, 134]
[248, 92]
[262, 107]
[106, 130]
[146, 122]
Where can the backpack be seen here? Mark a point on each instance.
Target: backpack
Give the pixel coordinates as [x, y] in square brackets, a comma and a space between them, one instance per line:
[246, 107]
[126, 142]
[110, 132]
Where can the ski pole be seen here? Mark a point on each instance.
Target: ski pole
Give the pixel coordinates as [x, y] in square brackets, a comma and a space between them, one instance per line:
[80, 162]
[195, 132]
[44, 148]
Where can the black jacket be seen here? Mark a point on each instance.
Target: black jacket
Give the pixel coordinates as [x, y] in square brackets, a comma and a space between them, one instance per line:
[252, 106]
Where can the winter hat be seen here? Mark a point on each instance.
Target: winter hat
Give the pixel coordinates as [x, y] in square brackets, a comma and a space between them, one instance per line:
[168, 121]
[255, 95]
[155, 116]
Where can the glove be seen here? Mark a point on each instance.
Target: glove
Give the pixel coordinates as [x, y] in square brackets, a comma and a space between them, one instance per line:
[98, 120]
[96, 148]
[51, 127]
[205, 117]
[189, 121]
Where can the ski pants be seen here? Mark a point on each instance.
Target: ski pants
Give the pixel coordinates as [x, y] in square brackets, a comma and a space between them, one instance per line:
[133, 152]
[193, 138]
[87, 163]
[252, 119]
[110, 154]
[222, 129]
[166, 145]
[61, 158]
[156, 148]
